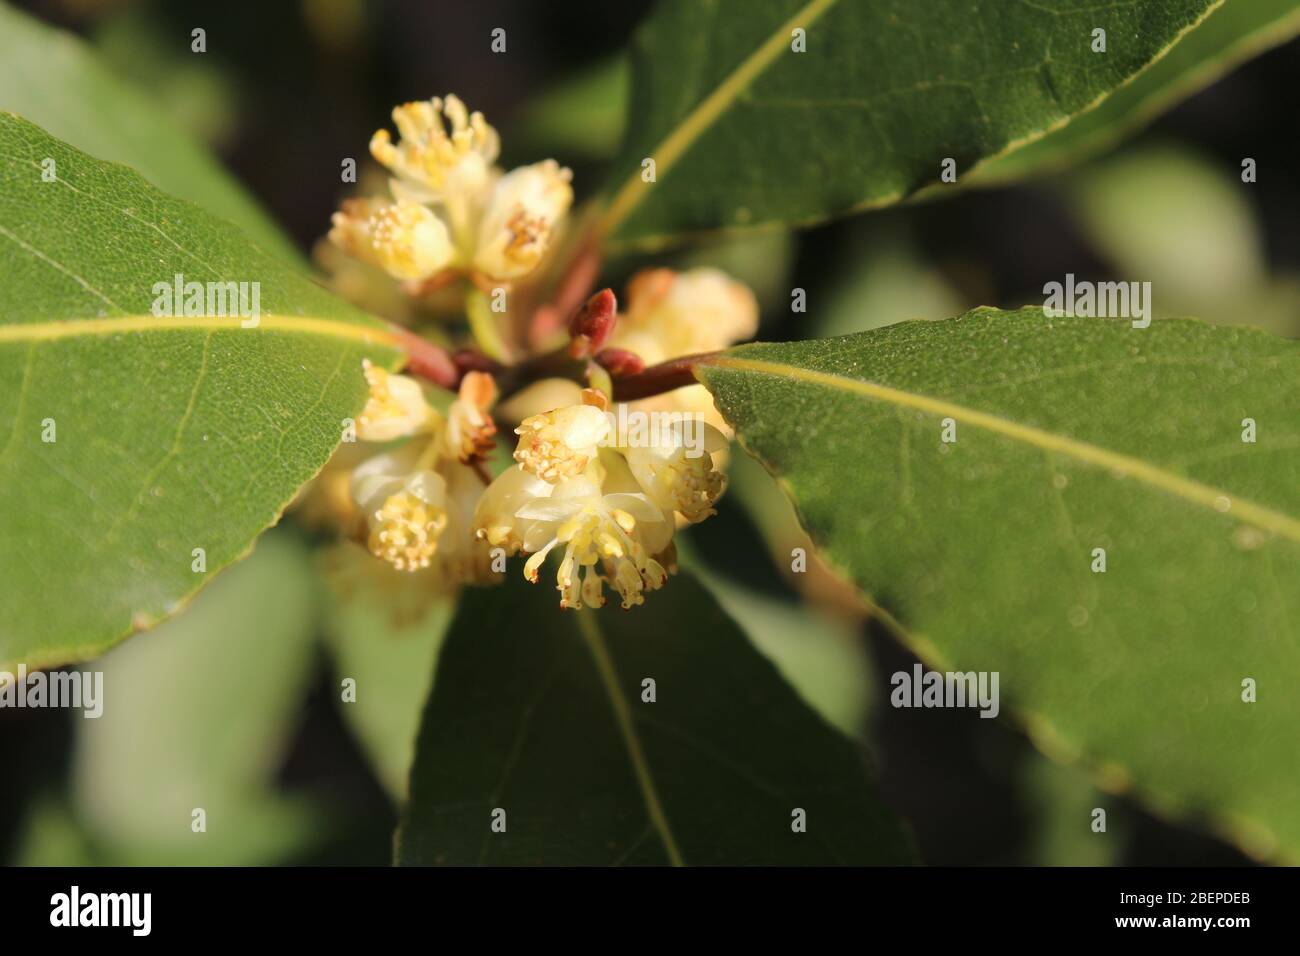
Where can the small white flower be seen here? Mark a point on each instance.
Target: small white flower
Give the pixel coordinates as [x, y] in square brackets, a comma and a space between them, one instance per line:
[609, 529]
[454, 209]
[516, 229]
[404, 239]
[677, 474]
[496, 518]
[418, 502]
[606, 538]
[671, 314]
[396, 407]
[405, 509]
[444, 149]
[559, 444]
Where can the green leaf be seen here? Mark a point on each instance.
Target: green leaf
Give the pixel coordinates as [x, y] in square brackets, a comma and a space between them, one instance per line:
[1071, 435]
[53, 79]
[216, 694]
[583, 115]
[169, 434]
[384, 633]
[744, 131]
[1206, 256]
[1231, 34]
[819, 654]
[540, 713]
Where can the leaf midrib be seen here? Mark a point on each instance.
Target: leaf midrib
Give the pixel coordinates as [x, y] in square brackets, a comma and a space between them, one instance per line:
[595, 640]
[677, 142]
[119, 325]
[698, 120]
[1220, 501]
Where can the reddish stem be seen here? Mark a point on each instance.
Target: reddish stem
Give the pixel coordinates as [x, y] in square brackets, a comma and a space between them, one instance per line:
[657, 379]
[428, 361]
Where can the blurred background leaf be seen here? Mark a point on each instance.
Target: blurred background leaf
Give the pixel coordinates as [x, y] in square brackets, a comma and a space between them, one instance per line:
[708, 773]
[582, 116]
[197, 714]
[53, 79]
[383, 632]
[1186, 225]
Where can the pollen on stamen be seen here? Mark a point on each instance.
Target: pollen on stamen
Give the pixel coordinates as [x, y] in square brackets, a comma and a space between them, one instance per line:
[405, 532]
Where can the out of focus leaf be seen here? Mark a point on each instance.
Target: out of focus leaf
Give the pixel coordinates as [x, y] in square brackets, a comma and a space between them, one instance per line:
[1186, 225]
[384, 631]
[886, 283]
[540, 713]
[581, 117]
[195, 91]
[53, 79]
[197, 714]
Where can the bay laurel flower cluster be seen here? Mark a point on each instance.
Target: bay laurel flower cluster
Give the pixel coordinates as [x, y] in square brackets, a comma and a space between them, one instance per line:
[607, 508]
[600, 501]
[452, 210]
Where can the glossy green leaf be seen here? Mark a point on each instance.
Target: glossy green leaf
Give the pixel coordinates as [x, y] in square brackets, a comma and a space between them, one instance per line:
[1070, 435]
[52, 78]
[745, 131]
[131, 440]
[540, 713]
[1233, 32]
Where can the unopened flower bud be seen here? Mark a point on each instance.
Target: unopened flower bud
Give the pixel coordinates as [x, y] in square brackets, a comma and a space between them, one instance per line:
[619, 362]
[593, 324]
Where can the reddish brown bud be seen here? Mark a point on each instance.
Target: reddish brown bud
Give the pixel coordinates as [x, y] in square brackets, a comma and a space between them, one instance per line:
[620, 362]
[593, 323]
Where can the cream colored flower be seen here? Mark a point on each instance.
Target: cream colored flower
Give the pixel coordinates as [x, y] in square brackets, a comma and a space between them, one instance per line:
[609, 530]
[496, 519]
[418, 502]
[454, 209]
[677, 470]
[396, 407]
[670, 314]
[444, 149]
[405, 509]
[404, 239]
[559, 444]
[521, 215]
